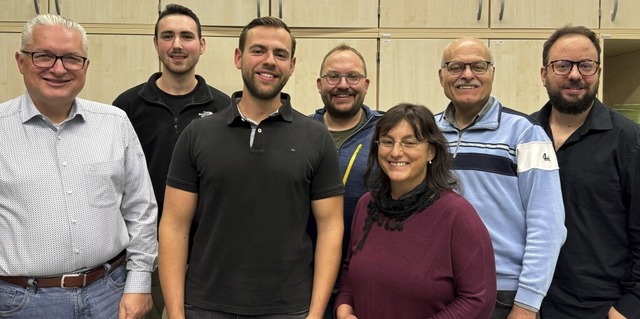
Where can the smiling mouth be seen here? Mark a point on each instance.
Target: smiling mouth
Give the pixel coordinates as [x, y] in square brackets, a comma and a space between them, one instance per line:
[466, 87]
[267, 75]
[398, 164]
[55, 81]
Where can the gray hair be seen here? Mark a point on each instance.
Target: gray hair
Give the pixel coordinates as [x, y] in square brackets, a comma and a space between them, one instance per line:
[52, 20]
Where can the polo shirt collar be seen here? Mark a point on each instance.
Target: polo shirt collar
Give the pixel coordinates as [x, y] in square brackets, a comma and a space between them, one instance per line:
[285, 111]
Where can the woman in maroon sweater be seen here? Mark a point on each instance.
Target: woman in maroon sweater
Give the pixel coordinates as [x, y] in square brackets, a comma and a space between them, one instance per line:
[418, 250]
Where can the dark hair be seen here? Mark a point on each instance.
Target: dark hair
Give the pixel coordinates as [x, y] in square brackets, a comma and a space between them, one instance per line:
[266, 22]
[171, 9]
[568, 30]
[421, 120]
[344, 47]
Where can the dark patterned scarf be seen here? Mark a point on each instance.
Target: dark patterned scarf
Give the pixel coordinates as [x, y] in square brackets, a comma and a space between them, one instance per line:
[393, 212]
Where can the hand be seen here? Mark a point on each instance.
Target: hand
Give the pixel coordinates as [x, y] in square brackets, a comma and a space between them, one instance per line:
[518, 312]
[345, 311]
[134, 306]
[614, 314]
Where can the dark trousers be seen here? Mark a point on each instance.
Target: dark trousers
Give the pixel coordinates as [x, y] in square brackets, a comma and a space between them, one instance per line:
[504, 303]
[192, 312]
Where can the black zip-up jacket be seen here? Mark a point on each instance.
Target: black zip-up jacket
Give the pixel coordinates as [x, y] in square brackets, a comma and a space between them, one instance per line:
[158, 127]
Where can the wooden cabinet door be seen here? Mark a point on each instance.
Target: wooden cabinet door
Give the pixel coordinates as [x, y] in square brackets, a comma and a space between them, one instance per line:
[22, 10]
[544, 13]
[118, 62]
[619, 14]
[216, 64]
[234, 13]
[517, 82]
[107, 11]
[11, 83]
[409, 73]
[434, 14]
[327, 13]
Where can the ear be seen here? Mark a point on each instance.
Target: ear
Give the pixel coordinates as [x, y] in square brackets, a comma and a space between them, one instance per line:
[543, 76]
[237, 58]
[366, 85]
[20, 62]
[319, 84]
[293, 65]
[203, 45]
[155, 43]
[440, 77]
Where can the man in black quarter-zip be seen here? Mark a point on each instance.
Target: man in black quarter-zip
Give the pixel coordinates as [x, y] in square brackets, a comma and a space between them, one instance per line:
[162, 107]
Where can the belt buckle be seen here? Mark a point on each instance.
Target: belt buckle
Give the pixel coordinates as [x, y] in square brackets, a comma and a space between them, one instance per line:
[84, 279]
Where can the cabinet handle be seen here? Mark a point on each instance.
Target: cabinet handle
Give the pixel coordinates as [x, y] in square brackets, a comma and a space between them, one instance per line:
[280, 9]
[479, 10]
[501, 10]
[258, 9]
[614, 13]
[58, 11]
[36, 4]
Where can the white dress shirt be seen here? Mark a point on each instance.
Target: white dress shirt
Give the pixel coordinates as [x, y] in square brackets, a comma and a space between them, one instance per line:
[74, 195]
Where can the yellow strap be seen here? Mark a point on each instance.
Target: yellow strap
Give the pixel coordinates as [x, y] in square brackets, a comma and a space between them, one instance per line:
[353, 159]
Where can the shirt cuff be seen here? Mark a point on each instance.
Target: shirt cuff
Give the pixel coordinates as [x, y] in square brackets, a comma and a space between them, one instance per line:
[138, 282]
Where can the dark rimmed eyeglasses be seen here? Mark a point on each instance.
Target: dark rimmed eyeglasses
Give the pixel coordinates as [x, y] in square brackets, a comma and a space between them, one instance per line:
[564, 67]
[477, 67]
[48, 60]
[334, 78]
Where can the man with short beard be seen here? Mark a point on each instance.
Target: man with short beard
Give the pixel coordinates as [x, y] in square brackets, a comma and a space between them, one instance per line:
[598, 151]
[253, 174]
[343, 84]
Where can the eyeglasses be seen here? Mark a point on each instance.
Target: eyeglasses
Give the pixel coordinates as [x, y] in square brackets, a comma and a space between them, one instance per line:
[564, 67]
[48, 60]
[477, 67]
[389, 143]
[334, 78]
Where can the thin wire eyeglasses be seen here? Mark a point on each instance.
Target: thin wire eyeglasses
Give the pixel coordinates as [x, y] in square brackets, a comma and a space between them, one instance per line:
[564, 67]
[477, 67]
[334, 78]
[389, 143]
[48, 60]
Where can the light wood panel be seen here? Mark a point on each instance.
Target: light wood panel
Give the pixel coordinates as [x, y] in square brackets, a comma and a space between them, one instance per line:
[409, 73]
[620, 14]
[118, 62]
[108, 11]
[235, 13]
[544, 13]
[434, 14]
[11, 83]
[327, 13]
[21, 10]
[517, 82]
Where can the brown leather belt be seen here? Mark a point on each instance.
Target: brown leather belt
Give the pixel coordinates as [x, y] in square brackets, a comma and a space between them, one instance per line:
[78, 280]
